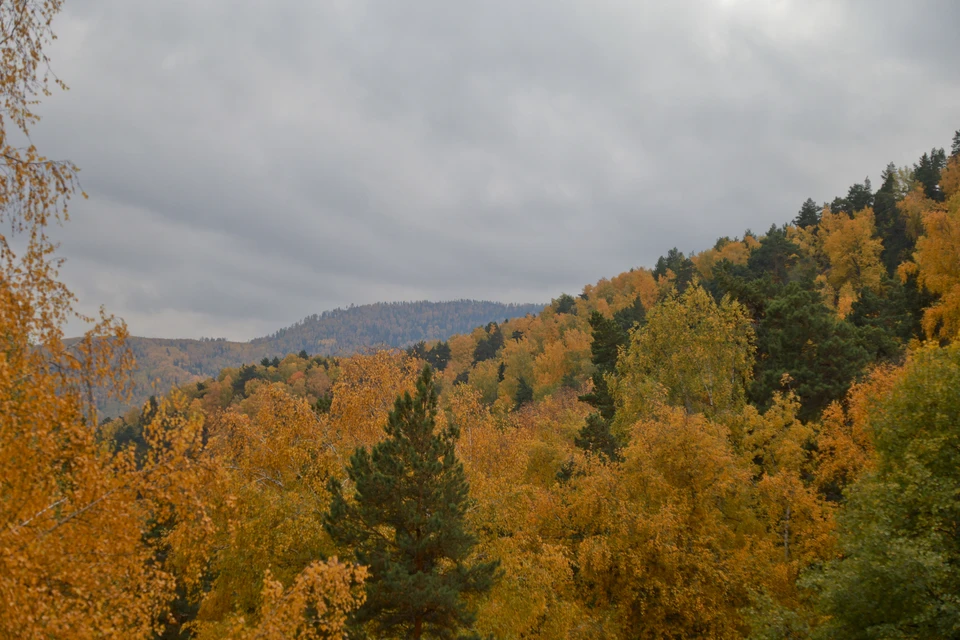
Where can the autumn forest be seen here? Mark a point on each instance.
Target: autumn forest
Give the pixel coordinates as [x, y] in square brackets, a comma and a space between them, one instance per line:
[759, 440]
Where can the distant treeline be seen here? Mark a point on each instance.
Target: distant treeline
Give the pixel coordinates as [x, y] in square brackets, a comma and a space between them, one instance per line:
[164, 363]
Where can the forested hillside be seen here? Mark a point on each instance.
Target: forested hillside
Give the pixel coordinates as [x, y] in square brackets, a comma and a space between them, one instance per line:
[164, 363]
[758, 440]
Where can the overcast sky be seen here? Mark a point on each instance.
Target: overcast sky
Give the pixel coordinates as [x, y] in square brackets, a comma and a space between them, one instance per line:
[252, 162]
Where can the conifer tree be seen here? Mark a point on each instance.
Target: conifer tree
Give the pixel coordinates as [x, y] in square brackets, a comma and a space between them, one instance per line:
[809, 215]
[405, 522]
[608, 337]
[524, 393]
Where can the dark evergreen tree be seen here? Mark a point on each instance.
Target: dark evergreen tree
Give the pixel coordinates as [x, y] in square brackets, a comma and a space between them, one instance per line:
[439, 356]
[303, 354]
[265, 362]
[809, 214]
[524, 393]
[955, 147]
[631, 316]
[742, 284]
[886, 319]
[927, 173]
[682, 267]
[489, 345]
[245, 374]
[565, 304]
[324, 403]
[501, 371]
[608, 337]
[275, 362]
[595, 436]
[891, 227]
[406, 523]
[840, 205]
[860, 196]
[800, 337]
[418, 350]
[775, 256]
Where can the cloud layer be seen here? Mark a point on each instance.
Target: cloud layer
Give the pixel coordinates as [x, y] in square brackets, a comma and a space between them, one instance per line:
[250, 163]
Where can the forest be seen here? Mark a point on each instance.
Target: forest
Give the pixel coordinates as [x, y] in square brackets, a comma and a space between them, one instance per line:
[162, 363]
[759, 440]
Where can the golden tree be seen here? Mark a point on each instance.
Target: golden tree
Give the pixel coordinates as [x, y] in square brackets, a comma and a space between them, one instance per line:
[83, 528]
[937, 265]
[692, 352]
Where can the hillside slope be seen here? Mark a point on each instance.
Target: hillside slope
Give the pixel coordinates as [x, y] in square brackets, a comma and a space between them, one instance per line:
[163, 363]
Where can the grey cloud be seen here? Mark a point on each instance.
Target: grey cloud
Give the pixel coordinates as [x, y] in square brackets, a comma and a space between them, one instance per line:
[250, 163]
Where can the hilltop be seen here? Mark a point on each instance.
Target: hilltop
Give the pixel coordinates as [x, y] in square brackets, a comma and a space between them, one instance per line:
[163, 363]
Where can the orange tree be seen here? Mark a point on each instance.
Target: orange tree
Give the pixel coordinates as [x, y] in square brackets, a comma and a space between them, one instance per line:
[74, 560]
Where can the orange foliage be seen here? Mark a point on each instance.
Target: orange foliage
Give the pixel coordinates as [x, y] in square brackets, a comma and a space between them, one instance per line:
[937, 265]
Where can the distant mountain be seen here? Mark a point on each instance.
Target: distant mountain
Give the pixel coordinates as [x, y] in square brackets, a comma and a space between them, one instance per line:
[163, 363]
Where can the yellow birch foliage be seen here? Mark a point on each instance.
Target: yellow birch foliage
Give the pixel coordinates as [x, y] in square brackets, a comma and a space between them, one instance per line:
[735, 251]
[937, 265]
[275, 463]
[74, 557]
[660, 550]
[363, 395]
[853, 250]
[912, 208]
[845, 442]
[796, 523]
[692, 352]
[315, 607]
[518, 517]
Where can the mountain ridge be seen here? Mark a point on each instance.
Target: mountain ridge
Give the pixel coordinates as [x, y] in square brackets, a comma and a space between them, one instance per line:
[163, 363]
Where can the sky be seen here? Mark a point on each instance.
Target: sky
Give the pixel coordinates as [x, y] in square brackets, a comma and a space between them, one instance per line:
[249, 163]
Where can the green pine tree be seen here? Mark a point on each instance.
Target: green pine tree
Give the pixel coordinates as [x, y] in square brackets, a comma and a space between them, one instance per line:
[523, 395]
[822, 354]
[405, 522]
[596, 436]
[809, 215]
[608, 337]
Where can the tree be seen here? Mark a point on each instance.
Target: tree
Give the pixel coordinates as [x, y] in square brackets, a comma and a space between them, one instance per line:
[899, 573]
[438, 356]
[937, 265]
[692, 353]
[891, 226]
[405, 522]
[565, 304]
[927, 173]
[809, 214]
[676, 267]
[75, 556]
[524, 393]
[775, 256]
[860, 196]
[489, 344]
[608, 338]
[596, 436]
[801, 337]
[853, 250]
[955, 147]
